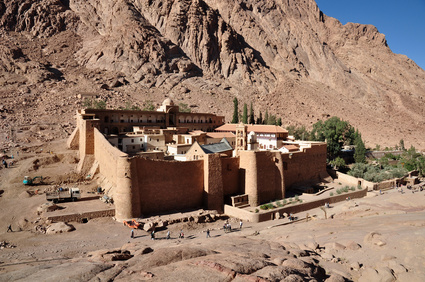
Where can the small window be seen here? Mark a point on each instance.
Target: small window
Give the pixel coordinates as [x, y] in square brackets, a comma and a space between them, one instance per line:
[134, 147]
[157, 140]
[132, 140]
[141, 139]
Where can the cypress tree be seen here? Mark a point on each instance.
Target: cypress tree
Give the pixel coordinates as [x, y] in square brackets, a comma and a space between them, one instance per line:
[266, 117]
[251, 115]
[245, 114]
[235, 111]
[260, 119]
[360, 152]
[279, 121]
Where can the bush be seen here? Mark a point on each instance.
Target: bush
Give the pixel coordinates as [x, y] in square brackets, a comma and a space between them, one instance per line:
[263, 207]
[338, 191]
[359, 187]
[353, 188]
[257, 210]
[284, 201]
[331, 194]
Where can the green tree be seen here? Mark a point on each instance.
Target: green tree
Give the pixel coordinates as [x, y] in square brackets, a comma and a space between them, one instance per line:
[266, 117]
[402, 145]
[335, 132]
[251, 115]
[245, 114]
[271, 120]
[148, 106]
[279, 121]
[184, 108]
[338, 163]
[100, 105]
[360, 151]
[260, 118]
[235, 111]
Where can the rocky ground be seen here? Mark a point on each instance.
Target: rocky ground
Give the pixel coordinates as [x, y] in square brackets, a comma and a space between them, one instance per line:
[377, 238]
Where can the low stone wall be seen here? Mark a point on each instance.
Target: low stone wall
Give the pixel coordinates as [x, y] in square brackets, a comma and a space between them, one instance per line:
[380, 154]
[294, 208]
[78, 217]
[354, 181]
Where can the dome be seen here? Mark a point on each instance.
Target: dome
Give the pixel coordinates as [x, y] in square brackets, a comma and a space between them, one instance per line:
[168, 102]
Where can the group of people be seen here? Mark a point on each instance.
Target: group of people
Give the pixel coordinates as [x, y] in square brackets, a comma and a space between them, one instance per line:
[227, 228]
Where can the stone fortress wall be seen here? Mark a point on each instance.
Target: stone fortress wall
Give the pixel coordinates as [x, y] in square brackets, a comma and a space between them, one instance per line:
[142, 186]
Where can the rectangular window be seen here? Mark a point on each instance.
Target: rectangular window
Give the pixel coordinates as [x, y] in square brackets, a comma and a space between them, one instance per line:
[132, 140]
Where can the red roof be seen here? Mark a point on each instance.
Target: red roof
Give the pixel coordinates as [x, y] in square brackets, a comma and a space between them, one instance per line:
[257, 128]
[291, 148]
[220, 134]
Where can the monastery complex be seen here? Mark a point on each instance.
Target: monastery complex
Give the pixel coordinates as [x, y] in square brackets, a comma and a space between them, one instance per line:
[161, 161]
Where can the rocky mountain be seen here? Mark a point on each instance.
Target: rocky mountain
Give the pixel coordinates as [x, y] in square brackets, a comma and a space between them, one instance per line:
[286, 57]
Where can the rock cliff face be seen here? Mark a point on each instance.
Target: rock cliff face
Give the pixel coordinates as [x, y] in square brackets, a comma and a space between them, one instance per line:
[283, 56]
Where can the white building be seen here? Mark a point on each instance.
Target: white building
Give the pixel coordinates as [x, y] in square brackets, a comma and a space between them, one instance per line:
[268, 136]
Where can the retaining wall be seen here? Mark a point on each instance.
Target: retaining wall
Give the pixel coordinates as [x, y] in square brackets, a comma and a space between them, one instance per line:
[293, 208]
[78, 217]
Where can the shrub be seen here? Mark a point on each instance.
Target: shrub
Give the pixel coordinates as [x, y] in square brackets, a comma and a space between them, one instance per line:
[353, 188]
[263, 207]
[359, 187]
[331, 194]
[270, 206]
[284, 201]
[297, 198]
[338, 191]
[257, 210]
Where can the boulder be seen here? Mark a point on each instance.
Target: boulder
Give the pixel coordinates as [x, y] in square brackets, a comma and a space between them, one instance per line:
[148, 226]
[59, 227]
[353, 246]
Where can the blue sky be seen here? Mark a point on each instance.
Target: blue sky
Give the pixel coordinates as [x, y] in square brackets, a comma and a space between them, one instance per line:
[402, 22]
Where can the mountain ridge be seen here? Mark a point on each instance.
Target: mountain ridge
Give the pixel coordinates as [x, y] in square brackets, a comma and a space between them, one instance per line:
[284, 56]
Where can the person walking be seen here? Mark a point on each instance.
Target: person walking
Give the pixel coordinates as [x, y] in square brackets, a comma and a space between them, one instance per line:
[208, 233]
[240, 224]
[168, 234]
[132, 233]
[9, 228]
[153, 235]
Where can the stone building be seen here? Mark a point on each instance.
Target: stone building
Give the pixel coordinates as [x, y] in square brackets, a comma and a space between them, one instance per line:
[168, 115]
[142, 186]
[198, 151]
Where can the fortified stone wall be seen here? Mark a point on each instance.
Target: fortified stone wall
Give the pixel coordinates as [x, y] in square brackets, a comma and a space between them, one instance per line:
[107, 156]
[263, 175]
[230, 175]
[168, 185]
[306, 166]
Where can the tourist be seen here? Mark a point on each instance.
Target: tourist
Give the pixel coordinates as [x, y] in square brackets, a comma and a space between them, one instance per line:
[168, 234]
[240, 224]
[9, 228]
[208, 233]
[153, 235]
[132, 233]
